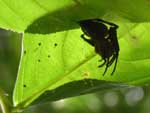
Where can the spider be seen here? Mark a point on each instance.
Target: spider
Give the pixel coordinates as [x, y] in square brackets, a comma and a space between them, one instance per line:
[104, 40]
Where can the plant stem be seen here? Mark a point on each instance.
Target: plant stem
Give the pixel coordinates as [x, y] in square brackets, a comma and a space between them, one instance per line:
[4, 102]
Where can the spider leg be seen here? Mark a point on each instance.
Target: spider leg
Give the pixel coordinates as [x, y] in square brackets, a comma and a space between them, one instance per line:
[103, 63]
[107, 61]
[116, 58]
[87, 40]
[112, 24]
[112, 60]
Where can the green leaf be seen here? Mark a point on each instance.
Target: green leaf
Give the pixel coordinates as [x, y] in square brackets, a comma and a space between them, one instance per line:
[35, 16]
[76, 88]
[17, 15]
[50, 61]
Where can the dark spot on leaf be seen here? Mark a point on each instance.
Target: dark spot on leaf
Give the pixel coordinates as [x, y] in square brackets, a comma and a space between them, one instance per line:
[55, 44]
[134, 37]
[39, 43]
[24, 85]
[48, 56]
[25, 51]
[86, 75]
[39, 60]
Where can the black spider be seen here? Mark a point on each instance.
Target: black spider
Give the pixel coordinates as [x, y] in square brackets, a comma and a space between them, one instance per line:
[104, 40]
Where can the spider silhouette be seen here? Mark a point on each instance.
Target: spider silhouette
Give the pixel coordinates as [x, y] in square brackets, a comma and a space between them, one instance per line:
[103, 38]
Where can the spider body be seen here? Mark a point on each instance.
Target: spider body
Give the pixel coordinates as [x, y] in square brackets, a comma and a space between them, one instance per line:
[104, 40]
